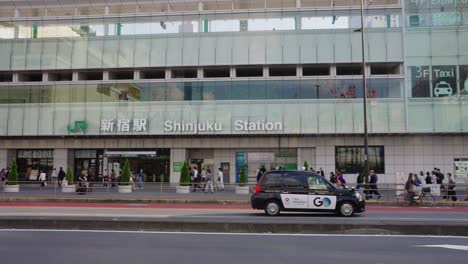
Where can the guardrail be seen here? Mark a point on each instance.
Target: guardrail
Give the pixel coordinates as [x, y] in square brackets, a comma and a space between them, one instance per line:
[385, 192]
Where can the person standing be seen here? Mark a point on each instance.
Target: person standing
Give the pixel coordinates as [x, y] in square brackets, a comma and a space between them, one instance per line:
[209, 181]
[220, 183]
[341, 181]
[359, 181]
[105, 178]
[373, 185]
[434, 177]
[333, 178]
[112, 176]
[53, 176]
[2, 175]
[140, 179]
[428, 178]
[196, 179]
[322, 173]
[451, 188]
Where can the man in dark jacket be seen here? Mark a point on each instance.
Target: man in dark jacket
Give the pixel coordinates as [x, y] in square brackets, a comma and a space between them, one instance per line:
[373, 185]
[60, 176]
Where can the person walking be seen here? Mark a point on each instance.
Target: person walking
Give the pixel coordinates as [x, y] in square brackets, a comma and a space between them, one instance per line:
[373, 185]
[53, 176]
[220, 180]
[341, 181]
[333, 179]
[42, 179]
[3, 175]
[105, 178]
[140, 179]
[359, 181]
[209, 181]
[60, 176]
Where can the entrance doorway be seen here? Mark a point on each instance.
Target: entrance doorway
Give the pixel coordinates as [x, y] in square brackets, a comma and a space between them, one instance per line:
[155, 163]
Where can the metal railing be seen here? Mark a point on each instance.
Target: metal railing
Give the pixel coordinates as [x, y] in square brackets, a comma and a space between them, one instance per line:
[384, 192]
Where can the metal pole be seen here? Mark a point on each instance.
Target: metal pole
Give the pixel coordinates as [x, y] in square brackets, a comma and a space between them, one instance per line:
[364, 85]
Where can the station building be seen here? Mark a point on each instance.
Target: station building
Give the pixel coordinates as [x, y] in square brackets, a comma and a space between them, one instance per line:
[86, 84]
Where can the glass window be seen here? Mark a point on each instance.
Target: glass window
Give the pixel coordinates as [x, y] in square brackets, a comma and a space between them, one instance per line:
[317, 183]
[308, 89]
[272, 180]
[7, 30]
[294, 180]
[350, 159]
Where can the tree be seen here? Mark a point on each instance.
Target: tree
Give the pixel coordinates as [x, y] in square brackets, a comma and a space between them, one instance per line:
[13, 174]
[243, 177]
[185, 175]
[126, 174]
[306, 165]
[69, 176]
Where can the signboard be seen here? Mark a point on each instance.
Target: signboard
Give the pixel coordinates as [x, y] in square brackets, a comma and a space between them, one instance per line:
[33, 175]
[444, 81]
[85, 154]
[177, 166]
[461, 168]
[32, 154]
[420, 81]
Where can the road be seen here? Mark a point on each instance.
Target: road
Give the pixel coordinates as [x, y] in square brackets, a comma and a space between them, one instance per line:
[40, 246]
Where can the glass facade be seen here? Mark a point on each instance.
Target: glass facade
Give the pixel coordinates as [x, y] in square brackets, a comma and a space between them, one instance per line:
[427, 40]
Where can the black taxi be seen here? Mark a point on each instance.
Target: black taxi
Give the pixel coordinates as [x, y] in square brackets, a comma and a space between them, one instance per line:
[287, 190]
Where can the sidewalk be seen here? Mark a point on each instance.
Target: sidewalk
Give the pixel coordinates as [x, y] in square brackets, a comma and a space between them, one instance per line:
[159, 194]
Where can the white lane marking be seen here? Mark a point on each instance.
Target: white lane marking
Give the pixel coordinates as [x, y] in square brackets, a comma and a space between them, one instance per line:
[230, 234]
[457, 247]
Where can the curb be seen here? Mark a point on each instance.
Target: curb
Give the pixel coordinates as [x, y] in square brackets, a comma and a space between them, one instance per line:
[186, 201]
[236, 227]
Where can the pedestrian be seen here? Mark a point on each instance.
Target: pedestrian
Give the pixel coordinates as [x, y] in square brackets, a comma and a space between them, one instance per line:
[220, 180]
[60, 177]
[341, 180]
[90, 178]
[196, 179]
[333, 178]
[209, 181]
[359, 181]
[53, 176]
[105, 178]
[82, 184]
[433, 177]
[373, 185]
[140, 179]
[259, 174]
[132, 180]
[428, 178]
[3, 175]
[322, 173]
[451, 188]
[203, 178]
[113, 178]
[43, 179]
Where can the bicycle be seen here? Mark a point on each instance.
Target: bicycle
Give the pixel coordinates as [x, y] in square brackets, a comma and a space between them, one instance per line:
[424, 198]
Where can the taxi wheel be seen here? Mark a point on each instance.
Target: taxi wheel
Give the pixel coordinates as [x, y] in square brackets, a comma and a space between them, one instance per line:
[346, 209]
[272, 208]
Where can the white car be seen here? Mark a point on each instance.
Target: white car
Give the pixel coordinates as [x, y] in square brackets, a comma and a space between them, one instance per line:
[443, 88]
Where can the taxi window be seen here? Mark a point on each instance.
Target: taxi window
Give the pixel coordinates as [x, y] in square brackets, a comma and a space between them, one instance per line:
[294, 180]
[317, 183]
[272, 180]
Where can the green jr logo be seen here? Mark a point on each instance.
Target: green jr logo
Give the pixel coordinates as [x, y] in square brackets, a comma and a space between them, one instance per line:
[79, 125]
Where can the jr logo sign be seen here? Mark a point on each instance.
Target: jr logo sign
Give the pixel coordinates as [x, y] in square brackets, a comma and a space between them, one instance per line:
[79, 126]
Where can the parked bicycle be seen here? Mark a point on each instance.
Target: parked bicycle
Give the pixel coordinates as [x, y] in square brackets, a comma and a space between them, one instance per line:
[424, 199]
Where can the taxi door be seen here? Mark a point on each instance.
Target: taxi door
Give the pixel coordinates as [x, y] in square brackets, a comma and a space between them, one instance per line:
[321, 196]
[295, 191]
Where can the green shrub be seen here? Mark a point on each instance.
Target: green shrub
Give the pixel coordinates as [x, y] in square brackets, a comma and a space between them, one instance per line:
[69, 176]
[13, 174]
[243, 177]
[185, 175]
[126, 174]
[306, 165]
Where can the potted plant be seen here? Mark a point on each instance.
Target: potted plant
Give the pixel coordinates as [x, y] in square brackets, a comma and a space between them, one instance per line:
[306, 165]
[12, 181]
[184, 183]
[242, 188]
[125, 184]
[68, 185]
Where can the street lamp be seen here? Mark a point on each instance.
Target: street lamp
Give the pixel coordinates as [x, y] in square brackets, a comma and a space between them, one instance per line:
[364, 85]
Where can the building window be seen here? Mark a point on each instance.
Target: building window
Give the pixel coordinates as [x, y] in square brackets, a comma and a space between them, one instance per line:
[350, 159]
